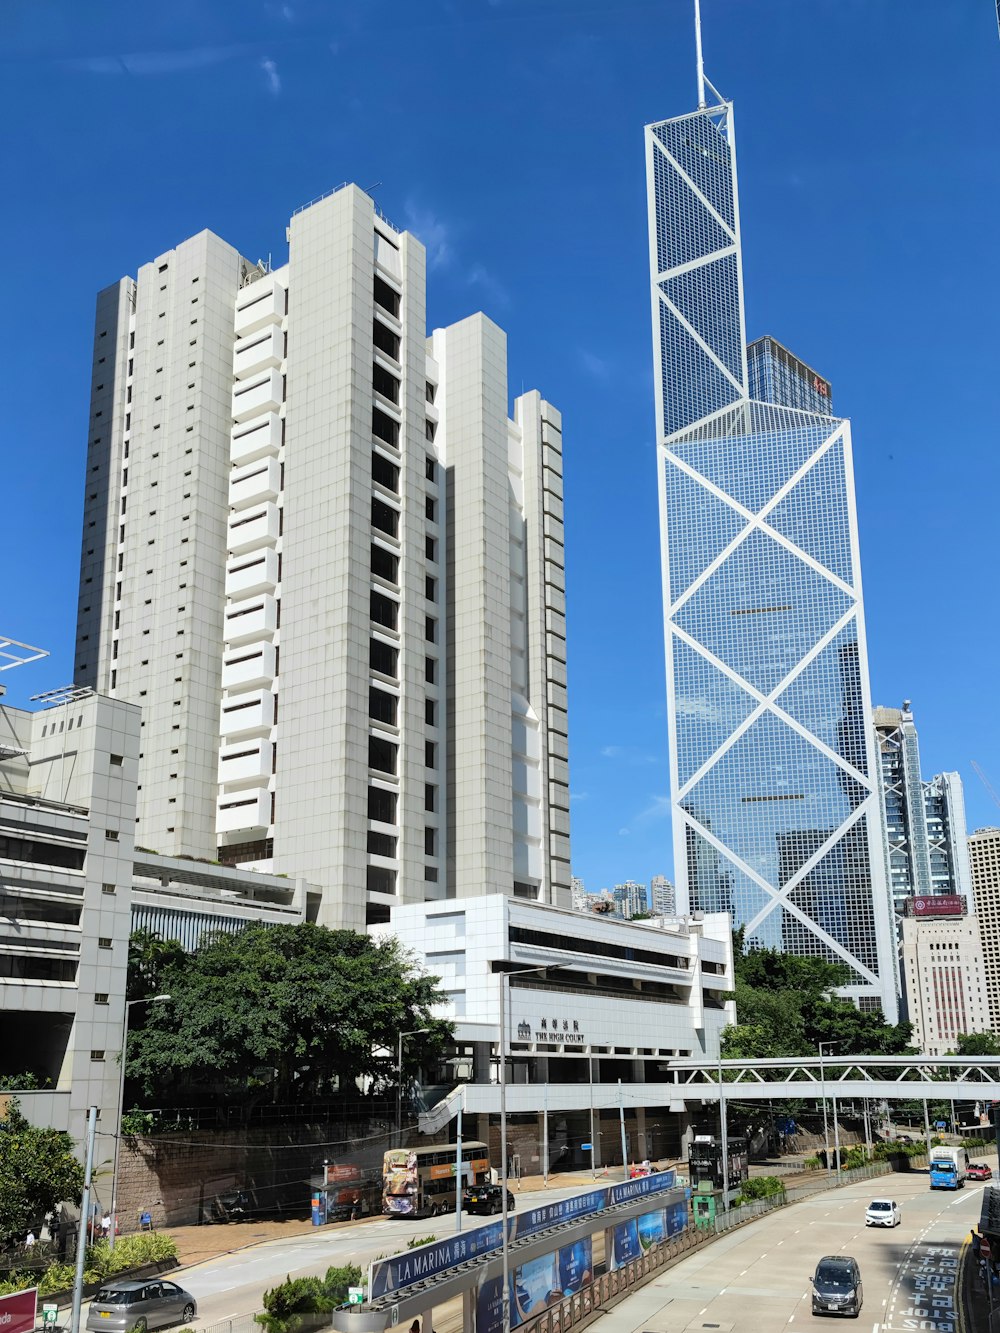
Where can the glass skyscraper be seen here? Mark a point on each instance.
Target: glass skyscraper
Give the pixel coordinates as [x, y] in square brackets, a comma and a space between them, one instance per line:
[774, 777]
[775, 375]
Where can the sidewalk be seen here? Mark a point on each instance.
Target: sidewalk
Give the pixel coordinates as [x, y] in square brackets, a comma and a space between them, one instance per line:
[210, 1240]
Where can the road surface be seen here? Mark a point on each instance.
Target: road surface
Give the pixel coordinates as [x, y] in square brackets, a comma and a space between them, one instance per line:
[234, 1284]
[758, 1277]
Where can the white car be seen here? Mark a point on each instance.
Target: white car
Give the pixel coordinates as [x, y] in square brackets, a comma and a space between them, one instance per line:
[883, 1213]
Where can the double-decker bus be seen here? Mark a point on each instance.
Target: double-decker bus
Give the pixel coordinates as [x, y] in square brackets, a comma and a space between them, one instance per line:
[420, 1182]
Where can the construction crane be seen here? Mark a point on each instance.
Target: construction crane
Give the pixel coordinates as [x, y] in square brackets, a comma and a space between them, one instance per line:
[981, 775]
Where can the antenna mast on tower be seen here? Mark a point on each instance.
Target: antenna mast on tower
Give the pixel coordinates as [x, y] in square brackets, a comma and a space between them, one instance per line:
[699, 57]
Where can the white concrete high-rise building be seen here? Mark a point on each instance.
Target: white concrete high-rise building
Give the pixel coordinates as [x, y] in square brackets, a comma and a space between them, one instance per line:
[329, 567]
[663, 896]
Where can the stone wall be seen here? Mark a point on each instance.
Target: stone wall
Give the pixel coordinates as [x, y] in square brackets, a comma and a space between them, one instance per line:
[177, 1176]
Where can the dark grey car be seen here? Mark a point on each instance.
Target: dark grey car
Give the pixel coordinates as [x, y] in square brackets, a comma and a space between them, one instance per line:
[121, 1307]
[837, 1286]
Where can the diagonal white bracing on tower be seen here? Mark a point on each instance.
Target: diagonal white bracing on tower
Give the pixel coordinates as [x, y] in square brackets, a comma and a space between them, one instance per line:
[772, 768]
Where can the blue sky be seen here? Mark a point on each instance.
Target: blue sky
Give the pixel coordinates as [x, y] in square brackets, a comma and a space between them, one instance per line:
[508, 135]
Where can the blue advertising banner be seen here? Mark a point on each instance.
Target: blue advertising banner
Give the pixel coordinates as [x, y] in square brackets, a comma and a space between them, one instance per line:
[565, 1210]
[632, 1239]
[402, 1270]
[536, 1286]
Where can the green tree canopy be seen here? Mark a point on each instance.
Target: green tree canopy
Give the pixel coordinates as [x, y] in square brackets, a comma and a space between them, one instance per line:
[282, 1012]
[38, 1170]
[787, 1005]
[977, 1043]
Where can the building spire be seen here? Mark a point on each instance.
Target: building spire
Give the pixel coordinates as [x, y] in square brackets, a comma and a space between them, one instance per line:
[699, 57]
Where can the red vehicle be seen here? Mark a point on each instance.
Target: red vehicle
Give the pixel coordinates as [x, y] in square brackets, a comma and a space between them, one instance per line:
[979, 1171]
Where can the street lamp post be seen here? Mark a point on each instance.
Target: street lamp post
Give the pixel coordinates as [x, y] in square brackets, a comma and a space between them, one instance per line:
[415, 1032]
[152, 999]
[593, 1141]
[514, 970]
[836, 1126]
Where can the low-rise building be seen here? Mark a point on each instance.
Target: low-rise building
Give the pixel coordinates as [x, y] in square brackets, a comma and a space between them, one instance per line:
[944, 982]
[591, 1022]
[73, 887]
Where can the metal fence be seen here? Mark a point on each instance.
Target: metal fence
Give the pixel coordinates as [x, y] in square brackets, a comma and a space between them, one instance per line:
[828, 1180]
[244, 1323]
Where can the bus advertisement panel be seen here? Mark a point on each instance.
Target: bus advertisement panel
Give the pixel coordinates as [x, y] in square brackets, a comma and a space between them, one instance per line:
[421, 1182]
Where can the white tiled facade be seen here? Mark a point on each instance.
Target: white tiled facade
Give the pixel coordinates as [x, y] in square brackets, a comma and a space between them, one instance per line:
[67, 821]
[630, 996]
[369, 688]
[73, 888]
[944, 980]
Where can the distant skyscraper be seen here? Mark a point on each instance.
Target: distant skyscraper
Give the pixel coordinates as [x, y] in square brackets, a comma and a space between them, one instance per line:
[773, 769]
[984, 862]
[579, 893]
[924, 821]
[630, 899]
[662, 896]
[776, 376]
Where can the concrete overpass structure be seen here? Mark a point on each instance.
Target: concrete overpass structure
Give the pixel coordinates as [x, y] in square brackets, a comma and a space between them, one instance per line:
[688, 1083]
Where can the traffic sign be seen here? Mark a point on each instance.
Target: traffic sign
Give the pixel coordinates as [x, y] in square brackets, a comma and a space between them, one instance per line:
[50, 1313]
[586, 1147]
[355, 1295]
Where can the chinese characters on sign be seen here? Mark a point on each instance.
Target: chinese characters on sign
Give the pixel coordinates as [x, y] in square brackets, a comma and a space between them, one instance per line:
[566, 1030]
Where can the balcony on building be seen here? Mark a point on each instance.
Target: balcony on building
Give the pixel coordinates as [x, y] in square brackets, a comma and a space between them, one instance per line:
[249, 668]
[261, 439]
[256, 572]
[249, 714]
[250, 531]
[249, 810]
[252, 620]
[246, 763]
[258, 353]
[255, 484]
[258, 305]
[263, 394]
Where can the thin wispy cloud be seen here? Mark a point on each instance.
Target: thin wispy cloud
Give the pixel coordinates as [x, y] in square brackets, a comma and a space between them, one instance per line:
[432, 231]
[594, 365]
[271, 76]
[656, 810]
[627, 754]
[480, 276]
[147, 63]
[579, 796]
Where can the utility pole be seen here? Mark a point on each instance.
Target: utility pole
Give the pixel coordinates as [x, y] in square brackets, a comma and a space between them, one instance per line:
[81, 1235]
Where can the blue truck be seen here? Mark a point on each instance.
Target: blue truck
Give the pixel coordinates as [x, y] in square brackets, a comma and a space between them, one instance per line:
[949, 1167]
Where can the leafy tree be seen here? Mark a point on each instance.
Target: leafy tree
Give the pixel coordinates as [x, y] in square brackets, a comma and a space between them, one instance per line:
[978, 1043]
[787, 1005]
[284, 1012]
[38, 1170]
[152, 962]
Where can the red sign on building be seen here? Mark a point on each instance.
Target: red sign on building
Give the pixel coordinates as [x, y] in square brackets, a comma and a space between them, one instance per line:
[17, 1313]
[945, 904]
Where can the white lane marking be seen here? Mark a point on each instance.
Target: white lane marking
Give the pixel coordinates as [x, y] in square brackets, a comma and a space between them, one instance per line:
[743, 1274]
